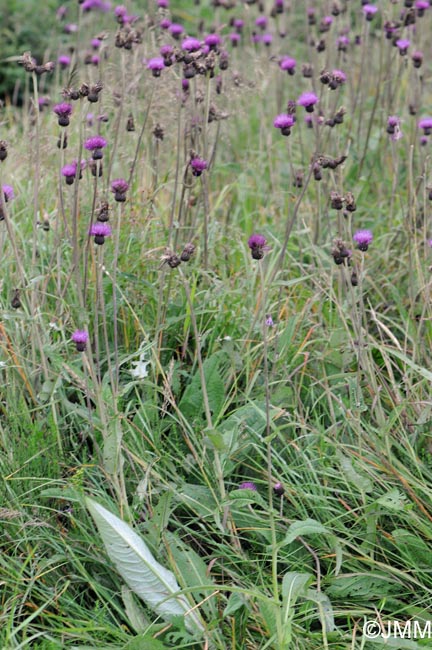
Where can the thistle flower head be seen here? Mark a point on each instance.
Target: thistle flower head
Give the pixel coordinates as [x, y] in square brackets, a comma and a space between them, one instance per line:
[120, 185]
[235, 38]
[257, 244]
[369, 11]
[95, 142]
[198, 165]
[165, 23]
[8, 193]
[426, 124]
[191, 44]
[63, 110]
[64, 60]
[248, 485]
[156, 64]
[363, 238]
[308, 100]
[80, 338]
[403, 44]
[288, 63]
[176, 30]
[213, 41]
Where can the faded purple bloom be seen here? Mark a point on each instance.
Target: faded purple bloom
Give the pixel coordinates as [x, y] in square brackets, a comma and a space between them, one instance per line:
[363, 238]
[235, 38]
[198, 165]
[393, 127]
[238, 24]
[64, 61]
[284, 122]
[308, 100]
[338, 77]
[119, 186]
[185, 85]
[417, 58]
[61, 12]
[99, 231]
[95, 43]
[176, 30]
[278, 489]
[163, 4]
[95, 59]
[269, 321]
[426, 124]
[191, 44]
[369, 11]
[342, 43]
[165, 23]
[287, 63]
[8, 193]
[80, 338]
[70, 28]
[256, 38]
[248, 485]
[213, 41]
[267, 39]
[403, 44]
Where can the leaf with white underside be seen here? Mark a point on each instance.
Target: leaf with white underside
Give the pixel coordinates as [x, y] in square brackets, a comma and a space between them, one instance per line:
[153, 583]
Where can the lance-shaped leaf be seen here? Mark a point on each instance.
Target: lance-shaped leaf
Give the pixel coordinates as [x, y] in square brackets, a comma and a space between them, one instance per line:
[154, 584]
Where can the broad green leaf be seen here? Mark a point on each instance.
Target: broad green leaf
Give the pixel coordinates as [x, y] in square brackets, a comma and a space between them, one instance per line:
[152, 582]
[360, 481]
[324, 607]
[301, 528]
[294, 584]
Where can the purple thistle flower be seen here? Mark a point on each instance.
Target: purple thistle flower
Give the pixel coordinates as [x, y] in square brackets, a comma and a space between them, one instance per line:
[80, 338]
[95, 144]
[198, 165]
[248, 485]
[421, 6]
[363, 238]
[69, 172]
[238, 24]
[120, 11]
[342, 43]
[257, 244]
[417, 58]
[426, 124]
[163, 4]
[64, 61]
[95, 43]
[284, 122]
[278, 489]
[99, 231]
[338, 77]
[213, 41]
[261, 22]
[8, 193]
[176, 30]
[288, 63]
[191, 44]
[165, 23]
[403, 44]
[119, 186]
[166, 50]
[267, 39]
[156, 65]
[369, 11]
[308, 100]
[63, 112]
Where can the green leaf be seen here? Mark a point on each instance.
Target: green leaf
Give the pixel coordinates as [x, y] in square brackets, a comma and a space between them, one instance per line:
[324, 607]
[360, 481]
[294, 584]
[154, 584]
[192, 402]
[301, 528]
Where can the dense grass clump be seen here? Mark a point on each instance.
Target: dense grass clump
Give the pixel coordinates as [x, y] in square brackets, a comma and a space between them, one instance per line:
[215, 342]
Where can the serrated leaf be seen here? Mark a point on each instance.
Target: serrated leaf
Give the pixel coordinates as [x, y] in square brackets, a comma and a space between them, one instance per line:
[153, 583]
[192, 401]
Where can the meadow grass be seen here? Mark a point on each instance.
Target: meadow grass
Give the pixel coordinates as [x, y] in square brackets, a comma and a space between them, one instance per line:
[259, 414]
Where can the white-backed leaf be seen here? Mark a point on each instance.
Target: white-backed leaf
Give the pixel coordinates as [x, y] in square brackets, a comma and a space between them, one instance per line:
[153, 583]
